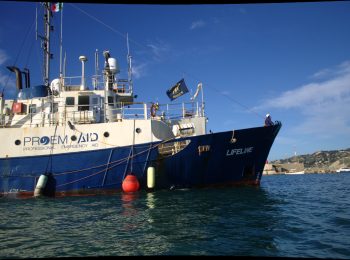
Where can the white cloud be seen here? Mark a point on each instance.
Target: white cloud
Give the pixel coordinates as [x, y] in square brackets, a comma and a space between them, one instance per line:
[139, 70]
[156, 52]
[313, 94]
[159, 50]
[3, 57]
[327, 119]
[3, 77]
[322, 74]
[5, 81]
[197, 24]
[323, 106]
[343, 68]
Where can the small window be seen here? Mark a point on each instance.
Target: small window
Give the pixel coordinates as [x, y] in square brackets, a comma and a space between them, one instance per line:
[83, 103]
[70, 101]
[110, 101]
[32, 109]
[55, 107]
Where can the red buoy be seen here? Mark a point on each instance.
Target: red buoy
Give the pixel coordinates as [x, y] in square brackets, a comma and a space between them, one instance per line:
[130, 183]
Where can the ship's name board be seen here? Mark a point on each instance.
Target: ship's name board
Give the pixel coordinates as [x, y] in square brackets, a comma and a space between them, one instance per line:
[239, 151]
[59, 139]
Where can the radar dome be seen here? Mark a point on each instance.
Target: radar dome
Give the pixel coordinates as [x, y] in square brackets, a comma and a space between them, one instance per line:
[113, 65]
[55, 86]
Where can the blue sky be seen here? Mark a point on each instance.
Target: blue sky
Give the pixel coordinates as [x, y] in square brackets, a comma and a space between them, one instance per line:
[291, 60]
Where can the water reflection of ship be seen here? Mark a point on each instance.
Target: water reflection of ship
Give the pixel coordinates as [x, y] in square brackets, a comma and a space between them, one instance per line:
[190, 221]
[150, 200]
[128, 200]
[128, 197]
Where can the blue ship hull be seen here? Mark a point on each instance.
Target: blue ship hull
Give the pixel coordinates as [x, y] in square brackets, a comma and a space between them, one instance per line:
[215, 159]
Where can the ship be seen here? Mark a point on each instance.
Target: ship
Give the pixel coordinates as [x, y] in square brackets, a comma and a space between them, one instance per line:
[340, 170]
[65, 137]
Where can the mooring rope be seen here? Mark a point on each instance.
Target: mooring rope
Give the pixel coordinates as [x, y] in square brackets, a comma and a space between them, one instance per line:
[117, 162]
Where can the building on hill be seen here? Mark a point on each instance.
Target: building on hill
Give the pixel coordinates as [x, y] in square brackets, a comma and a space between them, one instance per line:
[284, 168]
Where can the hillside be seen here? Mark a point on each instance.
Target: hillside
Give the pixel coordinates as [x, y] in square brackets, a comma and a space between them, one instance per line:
[321, 161]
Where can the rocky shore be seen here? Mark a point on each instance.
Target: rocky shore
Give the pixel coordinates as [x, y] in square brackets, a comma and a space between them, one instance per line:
[321, 161]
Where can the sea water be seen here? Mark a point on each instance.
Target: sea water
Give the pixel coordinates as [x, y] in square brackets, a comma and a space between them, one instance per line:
[287, 216]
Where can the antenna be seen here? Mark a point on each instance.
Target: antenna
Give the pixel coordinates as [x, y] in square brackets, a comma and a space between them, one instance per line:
[36, 23]
[127, 42]
[64, 64]
[96, 69]
[46, 45]
[202, 98]
[96, 62]
[61, 40]
[129, 63]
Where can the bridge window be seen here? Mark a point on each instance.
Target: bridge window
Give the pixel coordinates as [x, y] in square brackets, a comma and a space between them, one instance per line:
[110, 101]
[83, 103]
[70, 101]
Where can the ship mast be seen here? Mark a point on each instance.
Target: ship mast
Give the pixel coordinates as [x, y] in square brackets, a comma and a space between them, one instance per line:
[46, 43]
[47, 55]
[129, 65]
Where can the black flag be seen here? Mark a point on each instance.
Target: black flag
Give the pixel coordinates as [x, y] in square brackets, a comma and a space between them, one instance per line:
[178, 90]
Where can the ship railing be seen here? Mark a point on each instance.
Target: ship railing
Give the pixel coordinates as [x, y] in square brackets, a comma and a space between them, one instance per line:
[80, 114]
[72, 83]
[30, 120]
[121, 86]
[136, 110]
[83, 117]
[97, 82]
[168, 149]
[85, 114]
[163, 112]
[181, 110]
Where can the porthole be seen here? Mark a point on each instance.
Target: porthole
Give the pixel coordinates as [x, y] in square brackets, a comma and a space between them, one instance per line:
[138, 130]
[73, 138]
[17, 142]
[105, 134]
